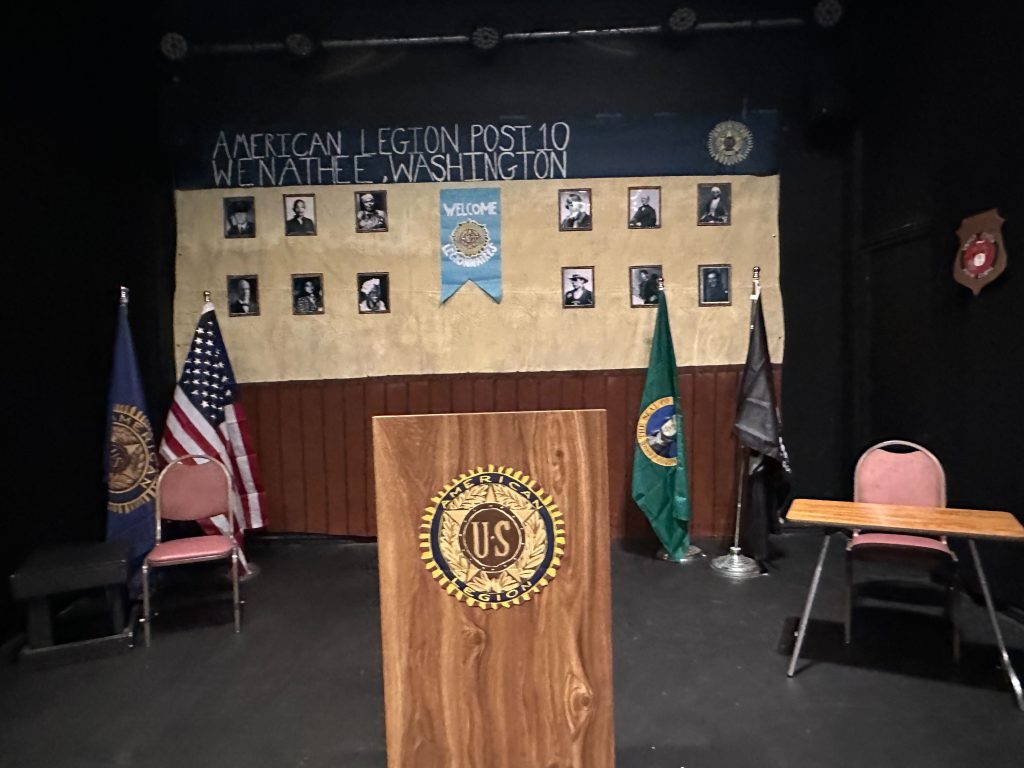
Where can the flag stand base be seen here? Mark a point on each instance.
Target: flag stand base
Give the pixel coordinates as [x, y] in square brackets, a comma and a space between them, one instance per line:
[693, 554]
[736, 565]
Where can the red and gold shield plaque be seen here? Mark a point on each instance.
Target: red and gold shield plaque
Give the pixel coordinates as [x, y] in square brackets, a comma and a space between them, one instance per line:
[981, 257]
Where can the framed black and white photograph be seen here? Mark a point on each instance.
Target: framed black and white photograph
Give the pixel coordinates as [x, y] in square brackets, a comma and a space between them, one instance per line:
[243, 295]
[574, 213]
[644, 285]
[373, 290]
[308, 294]
[299, 214]
[714, 202]
[371, 211]
[644, 207]
[239, 217]
[577, 287]
[714, 281]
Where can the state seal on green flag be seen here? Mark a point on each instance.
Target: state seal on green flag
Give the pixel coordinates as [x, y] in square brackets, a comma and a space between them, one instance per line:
[656, 432]
[660, 482]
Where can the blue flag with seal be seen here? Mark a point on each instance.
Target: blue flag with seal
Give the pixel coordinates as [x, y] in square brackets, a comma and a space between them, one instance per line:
[131, 470]
[471, 240]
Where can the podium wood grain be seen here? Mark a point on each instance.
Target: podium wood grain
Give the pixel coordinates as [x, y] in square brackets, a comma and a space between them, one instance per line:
[528, 686]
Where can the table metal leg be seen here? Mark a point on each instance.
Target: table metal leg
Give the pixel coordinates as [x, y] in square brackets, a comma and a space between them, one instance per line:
[1014, 680]
[115, 599]
[807, 606]
[40, 623]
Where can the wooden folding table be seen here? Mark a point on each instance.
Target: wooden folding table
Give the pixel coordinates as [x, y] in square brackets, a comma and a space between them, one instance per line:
[969, 524]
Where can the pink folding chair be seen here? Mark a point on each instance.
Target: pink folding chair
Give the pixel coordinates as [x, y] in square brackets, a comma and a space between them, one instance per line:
[904, 473]
[194, 487]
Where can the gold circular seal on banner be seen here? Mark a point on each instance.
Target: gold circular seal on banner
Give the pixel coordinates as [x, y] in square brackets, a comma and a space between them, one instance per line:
[472, 243]
[492, 538]
[656, 432]
[132, 474]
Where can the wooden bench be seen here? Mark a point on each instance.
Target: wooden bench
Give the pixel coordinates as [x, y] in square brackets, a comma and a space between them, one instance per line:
[73, 568]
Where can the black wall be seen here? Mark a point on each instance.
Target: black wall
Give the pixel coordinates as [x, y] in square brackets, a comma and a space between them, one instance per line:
[90, 208]
[941, 125]
[883, 149]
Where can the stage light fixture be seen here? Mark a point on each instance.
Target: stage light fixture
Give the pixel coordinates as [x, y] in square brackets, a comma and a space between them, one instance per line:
[682, 20]
[485, 38]
[300, 45]
[173, 46]
[827, 13]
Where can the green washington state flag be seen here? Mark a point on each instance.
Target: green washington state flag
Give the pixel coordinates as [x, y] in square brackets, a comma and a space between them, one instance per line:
[660, 484]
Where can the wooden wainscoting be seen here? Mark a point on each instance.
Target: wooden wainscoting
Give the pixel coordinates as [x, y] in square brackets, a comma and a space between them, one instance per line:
[313, 438]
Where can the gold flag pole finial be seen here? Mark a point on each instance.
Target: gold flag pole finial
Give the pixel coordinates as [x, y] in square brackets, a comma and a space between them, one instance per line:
[206, 296]
[124, 295]
[661, 282]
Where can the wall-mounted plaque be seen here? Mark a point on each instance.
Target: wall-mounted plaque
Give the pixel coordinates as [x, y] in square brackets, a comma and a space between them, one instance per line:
[981, 257]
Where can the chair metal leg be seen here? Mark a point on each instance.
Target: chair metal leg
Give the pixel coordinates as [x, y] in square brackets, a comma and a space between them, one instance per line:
[115, 602]
[145, 601]
[234, 584]
[1014, 680]
[807, 606]
[953, 613]
[847, 631]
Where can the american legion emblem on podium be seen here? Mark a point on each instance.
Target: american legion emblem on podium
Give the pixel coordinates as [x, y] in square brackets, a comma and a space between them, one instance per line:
[492, 538]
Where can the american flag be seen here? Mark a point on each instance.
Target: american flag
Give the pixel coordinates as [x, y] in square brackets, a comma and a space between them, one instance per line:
[204, 418]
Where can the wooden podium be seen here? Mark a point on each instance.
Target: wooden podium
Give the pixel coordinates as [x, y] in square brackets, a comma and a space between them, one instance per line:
[469, 683]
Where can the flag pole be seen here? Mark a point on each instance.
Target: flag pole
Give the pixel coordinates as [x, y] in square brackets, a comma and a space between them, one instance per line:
[249, 569]
[693, 552]
[736, 565]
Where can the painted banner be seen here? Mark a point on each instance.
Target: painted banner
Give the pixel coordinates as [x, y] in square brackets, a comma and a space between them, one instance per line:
[471, 240]
[285, 154]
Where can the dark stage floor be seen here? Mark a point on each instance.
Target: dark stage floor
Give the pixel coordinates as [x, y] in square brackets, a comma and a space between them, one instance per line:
[700, 677]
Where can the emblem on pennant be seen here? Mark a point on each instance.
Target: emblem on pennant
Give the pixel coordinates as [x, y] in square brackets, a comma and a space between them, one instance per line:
[493, 538]
[981, 257]
[471, 244]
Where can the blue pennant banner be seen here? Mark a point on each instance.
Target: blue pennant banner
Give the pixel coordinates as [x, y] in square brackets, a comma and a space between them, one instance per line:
[471, 240]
